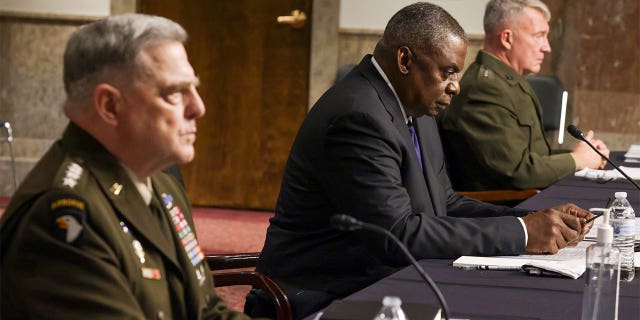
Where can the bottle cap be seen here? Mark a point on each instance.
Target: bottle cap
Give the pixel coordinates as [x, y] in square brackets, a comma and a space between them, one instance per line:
[605, 231]
[391, 301]
[620, 194]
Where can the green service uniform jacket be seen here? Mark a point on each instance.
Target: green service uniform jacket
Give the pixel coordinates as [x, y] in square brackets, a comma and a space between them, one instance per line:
[492, 132]
[78, 242]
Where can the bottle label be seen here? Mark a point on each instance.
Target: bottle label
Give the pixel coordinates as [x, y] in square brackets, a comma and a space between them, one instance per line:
[623, 227]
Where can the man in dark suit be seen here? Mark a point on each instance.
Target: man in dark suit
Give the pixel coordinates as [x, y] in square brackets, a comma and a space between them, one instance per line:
[355, 154]
[96, 230]
[496, 121]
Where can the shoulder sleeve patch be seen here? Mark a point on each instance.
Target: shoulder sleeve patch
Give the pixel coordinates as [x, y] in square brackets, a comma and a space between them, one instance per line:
[69, 214]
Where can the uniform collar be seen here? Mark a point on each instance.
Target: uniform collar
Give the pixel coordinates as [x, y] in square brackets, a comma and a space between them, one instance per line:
[144, 186]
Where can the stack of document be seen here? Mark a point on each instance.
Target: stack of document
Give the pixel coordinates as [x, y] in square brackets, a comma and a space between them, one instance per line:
[569, 261]
[632, 157]
[633, 154]
[607, 175]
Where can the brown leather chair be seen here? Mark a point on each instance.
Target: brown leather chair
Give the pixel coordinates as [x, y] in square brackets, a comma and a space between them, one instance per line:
[222, 267]
[501, 196]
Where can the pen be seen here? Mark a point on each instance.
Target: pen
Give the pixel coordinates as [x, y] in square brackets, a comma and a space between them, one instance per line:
[494, 268]
[600, 210]
[592, 218]
[609, 201]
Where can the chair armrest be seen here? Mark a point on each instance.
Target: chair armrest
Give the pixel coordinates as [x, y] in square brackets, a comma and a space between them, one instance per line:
[261, 281]
[232, 261]
[255, 279]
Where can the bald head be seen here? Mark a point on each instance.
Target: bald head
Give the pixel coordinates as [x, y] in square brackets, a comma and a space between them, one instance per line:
[420, 26]
[421, 52]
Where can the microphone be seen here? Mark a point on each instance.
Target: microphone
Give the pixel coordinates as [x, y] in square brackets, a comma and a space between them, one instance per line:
[345, 222]
[576, 133]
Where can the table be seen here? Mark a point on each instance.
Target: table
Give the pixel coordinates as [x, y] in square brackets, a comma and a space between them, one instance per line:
[585, 193]
[477, 294]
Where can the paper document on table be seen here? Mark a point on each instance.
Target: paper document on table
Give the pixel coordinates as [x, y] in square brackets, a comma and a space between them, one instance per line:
[607, 175]
[633, 152]
[569, 261]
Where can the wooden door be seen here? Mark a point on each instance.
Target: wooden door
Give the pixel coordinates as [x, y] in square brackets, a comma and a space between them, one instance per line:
[254, 82]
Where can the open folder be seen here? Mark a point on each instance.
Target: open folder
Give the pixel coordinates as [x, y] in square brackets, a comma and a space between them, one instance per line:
[569, 262]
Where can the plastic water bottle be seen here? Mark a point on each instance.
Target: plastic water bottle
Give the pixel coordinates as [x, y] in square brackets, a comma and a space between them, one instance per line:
[391, 309]
[623, 223]
[602, 277]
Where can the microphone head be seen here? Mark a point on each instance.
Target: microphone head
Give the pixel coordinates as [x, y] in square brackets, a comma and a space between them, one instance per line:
[575, 132]
[345, 222]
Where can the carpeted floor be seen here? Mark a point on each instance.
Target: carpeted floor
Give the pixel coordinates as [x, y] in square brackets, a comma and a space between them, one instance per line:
[224, 231]
[231, 231]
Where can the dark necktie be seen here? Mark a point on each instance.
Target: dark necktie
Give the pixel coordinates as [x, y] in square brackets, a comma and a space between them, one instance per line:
[414, 139]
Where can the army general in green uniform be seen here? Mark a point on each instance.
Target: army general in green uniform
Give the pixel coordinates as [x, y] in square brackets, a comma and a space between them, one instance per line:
[96, 230]
[492, 132]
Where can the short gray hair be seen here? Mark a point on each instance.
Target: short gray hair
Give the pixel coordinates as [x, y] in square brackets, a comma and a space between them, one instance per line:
[423, 26]
[499, 12]
[108, 51]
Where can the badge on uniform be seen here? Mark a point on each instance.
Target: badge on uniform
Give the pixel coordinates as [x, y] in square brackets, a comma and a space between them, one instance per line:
[69, 214]
[151, 273]
[72, 175]
[186, 235]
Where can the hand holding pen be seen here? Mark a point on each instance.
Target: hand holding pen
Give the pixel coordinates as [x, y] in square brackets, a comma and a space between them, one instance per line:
[583, 216]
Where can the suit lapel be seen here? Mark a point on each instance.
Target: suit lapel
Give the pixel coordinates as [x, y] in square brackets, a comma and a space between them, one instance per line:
[424, 125]
[392, 107]
[388, 101]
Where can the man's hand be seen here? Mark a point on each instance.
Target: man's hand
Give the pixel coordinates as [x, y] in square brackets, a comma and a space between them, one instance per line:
[582, 215]
[587, 158]
[552, 229]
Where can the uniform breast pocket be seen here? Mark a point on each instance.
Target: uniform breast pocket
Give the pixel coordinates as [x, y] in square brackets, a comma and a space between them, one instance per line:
[153, 290]
[527, 116]
[148, 276]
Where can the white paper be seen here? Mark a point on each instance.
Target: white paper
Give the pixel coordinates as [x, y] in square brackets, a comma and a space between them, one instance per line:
[633, 152]
[569, 261]
[607, 175]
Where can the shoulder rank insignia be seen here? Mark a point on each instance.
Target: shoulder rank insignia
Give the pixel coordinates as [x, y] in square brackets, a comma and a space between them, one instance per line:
[69, 215]
[72, 174]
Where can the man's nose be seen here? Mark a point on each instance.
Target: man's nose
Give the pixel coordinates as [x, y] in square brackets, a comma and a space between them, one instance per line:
[546, 46]
[195, 107]
[453, 88]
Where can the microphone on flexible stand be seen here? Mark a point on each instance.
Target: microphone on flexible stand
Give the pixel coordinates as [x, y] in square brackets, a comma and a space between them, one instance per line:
[348, 223]
[576, 133]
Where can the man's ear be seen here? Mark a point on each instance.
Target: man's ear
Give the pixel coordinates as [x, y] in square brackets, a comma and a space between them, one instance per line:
[404, 59]
[506, 38]
[106, 101]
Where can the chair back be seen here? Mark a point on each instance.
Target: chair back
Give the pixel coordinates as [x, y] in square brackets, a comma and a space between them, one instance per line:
[553, 99]
[232, 276]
